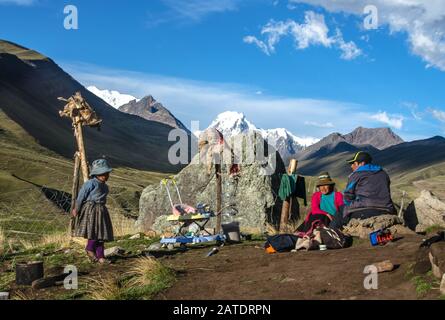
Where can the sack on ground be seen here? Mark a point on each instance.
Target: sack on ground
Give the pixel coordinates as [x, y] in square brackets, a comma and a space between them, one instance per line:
[334, 238]
[280, 243]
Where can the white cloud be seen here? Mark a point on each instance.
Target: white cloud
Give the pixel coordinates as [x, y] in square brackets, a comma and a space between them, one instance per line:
[196, 100]
[312, 32]
[319, 125]
[260, 44]
[438, 114]
[392, 121]
[197, 9]
[190, 10]
[18, 2]
[413, 108]
[423, 21]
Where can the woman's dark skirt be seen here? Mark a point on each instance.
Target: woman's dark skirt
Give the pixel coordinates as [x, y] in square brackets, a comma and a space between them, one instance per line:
[311, 222]
[93, 222]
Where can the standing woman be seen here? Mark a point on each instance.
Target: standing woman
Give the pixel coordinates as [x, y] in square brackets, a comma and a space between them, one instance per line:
[325, 204]
[92, 218]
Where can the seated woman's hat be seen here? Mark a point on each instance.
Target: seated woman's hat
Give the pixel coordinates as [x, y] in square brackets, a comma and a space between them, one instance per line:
[324, 179]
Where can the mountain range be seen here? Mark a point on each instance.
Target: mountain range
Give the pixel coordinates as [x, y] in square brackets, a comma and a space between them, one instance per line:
[112, 97]
[231, 123]
[135, 132]
[147, 107]
[30, 84]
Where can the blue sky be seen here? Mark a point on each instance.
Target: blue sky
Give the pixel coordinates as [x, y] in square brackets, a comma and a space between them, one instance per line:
[309, 66]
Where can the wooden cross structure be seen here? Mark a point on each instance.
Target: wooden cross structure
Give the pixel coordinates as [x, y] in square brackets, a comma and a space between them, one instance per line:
[81, 114]
[287, 203]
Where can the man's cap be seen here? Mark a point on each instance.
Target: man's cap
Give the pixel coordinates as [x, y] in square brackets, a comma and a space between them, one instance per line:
[360, 157]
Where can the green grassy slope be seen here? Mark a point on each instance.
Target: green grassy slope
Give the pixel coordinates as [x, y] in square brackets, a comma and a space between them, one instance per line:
[29, 87]
[25, 166]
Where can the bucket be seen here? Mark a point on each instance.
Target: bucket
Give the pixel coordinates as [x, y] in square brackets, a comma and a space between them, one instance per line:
[232, 232]
[27, 272]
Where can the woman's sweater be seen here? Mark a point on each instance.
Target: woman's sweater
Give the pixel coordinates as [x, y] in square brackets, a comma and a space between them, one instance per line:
[92, 190]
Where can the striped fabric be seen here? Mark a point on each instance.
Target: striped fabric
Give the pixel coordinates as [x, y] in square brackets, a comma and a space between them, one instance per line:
[93, 222]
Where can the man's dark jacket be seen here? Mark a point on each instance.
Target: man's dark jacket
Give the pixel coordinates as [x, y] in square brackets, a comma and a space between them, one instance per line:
[368, 188]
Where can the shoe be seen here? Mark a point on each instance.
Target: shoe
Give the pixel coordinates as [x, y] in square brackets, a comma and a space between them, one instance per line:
[92, 256]
[104, 261]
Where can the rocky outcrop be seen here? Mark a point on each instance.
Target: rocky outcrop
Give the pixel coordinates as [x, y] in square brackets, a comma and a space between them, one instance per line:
[252, 195]
[437, 259]
[362, 228]
[425, 211]
[149, 109]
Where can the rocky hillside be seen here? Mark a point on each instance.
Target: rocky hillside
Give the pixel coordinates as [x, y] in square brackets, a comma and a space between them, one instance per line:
[360, 138]
[29, 86]
[149, 109]
[380, 138]
[401, 159]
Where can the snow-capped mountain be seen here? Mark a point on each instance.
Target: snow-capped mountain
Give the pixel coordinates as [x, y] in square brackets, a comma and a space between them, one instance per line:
[113, 98]
[232, 123]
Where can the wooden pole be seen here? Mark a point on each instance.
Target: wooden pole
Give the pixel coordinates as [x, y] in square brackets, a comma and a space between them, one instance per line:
[81, 145]
[287, 204]
[218, 197]
[75, 188]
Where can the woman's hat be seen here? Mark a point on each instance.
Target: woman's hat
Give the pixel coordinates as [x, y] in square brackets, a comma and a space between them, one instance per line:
[324, 179]
[100, 167]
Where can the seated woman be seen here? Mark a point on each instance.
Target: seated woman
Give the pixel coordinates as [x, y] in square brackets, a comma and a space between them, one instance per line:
[326, 203]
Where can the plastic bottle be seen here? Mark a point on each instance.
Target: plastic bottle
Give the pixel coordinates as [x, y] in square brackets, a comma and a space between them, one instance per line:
[212, 252]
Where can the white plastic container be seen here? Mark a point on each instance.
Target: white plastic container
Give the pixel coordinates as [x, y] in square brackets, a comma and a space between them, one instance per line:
[4, 295]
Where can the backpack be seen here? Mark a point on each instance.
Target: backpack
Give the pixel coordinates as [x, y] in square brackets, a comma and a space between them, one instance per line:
[280, 243]
[334, 238]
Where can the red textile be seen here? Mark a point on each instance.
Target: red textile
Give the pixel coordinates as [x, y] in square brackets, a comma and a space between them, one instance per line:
[316, 199]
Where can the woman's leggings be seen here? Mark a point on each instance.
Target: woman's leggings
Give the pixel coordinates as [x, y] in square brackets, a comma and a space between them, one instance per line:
[97, 247]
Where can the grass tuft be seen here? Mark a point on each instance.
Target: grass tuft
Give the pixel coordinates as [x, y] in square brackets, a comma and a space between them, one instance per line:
[145, 278]
[107, 288]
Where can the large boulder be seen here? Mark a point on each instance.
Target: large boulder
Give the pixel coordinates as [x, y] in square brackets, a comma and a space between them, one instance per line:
[437, 258]
[252, 193]
[363, 227]
[425, 211]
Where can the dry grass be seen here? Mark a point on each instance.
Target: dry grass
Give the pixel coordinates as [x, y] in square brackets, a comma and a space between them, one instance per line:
[107, 288]
[289, 227]
[123, 226]
[145, 278]
[2, 241]
[60, 240]
[271, 229]
[144, 271]
[20, 295]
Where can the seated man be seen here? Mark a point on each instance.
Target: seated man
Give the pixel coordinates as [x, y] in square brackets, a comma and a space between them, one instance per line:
[367, 194]
[325, 204]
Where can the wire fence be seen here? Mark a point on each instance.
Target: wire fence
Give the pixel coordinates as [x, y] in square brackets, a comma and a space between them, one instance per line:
[37, 211]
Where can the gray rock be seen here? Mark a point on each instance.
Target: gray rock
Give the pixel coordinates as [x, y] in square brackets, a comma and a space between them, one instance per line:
[425, 211]
[155, 246]
[437, 258]
[135, 237]
[253, 195]
[362, 228]
[113, 251]
[442, 285]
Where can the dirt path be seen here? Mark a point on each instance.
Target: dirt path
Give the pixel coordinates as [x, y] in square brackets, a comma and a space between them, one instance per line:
[247, 272]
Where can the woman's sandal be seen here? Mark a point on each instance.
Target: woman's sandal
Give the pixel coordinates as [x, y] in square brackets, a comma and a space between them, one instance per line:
[103, 261]
[92, 257]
